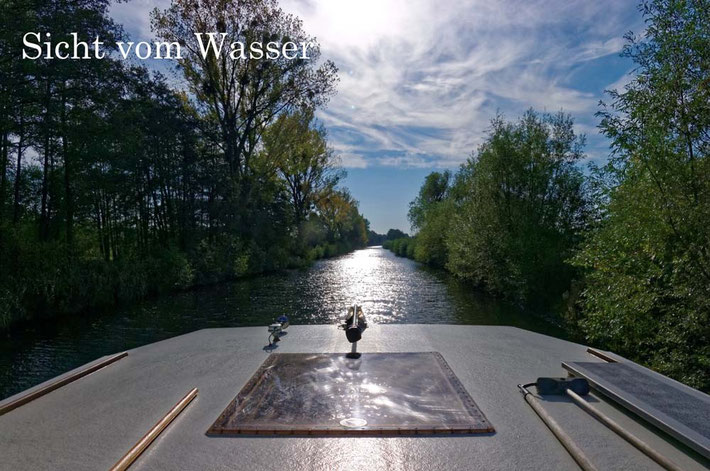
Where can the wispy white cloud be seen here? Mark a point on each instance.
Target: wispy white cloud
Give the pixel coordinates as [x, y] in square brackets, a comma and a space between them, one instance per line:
[351, 160]
[596, 49]
[420, 79]
[622, 82]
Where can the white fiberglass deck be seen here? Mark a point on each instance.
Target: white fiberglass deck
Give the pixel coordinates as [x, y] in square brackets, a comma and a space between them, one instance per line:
[91, 423]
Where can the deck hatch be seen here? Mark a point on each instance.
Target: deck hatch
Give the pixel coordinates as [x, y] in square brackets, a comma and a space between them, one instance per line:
[329, 394]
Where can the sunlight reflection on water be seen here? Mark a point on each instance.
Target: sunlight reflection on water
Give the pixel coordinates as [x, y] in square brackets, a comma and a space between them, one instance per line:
[390, 289]
[375, 279]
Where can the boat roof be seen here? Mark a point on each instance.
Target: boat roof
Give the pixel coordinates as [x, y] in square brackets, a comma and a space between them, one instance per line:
[92, 422]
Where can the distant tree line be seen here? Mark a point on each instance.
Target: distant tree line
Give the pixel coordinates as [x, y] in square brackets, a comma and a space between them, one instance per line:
[115, 185]
[623, 252]
[373, 238]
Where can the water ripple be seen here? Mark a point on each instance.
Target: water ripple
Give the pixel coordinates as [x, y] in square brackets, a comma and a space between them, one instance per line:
[390, 289]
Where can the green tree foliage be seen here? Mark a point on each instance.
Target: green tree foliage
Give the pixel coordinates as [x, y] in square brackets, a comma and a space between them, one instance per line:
[433, 191]
[393, 234]
[345, 226]
[648, 261]
[512, 216]
[523, 210]
[373, 238]
[430, 214]
[399, 242]
[385, 239]
[115, 186]
[242, 95]
[402, 246]
[299, 151]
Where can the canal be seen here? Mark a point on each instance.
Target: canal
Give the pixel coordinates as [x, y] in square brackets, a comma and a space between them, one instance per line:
[390, 289]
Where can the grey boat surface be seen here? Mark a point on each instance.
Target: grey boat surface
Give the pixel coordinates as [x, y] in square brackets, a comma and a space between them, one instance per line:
[90, 423]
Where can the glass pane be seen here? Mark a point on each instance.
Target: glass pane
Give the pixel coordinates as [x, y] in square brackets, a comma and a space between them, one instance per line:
[330, 394]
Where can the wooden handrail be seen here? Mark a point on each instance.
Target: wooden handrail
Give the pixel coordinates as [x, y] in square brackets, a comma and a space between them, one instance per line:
[153, 433]
[601, 355]
[31, 396]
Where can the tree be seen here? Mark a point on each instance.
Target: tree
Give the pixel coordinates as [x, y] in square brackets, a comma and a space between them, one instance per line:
[243, 95]
[303, 160]
[393, 234]
[430, 213]
[340, 214]
[373, 238]
[648, 260]
[16, 91]
[523, 210]
[120, 186]
[433, 191]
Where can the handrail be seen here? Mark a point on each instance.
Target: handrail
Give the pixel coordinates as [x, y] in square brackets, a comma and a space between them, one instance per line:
[601, 355]
[31, 396]
[135, 451]
[623, 433]
[565, 440]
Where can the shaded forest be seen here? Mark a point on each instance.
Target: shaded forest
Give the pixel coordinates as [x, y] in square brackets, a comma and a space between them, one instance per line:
[116, 184]
[622, 252]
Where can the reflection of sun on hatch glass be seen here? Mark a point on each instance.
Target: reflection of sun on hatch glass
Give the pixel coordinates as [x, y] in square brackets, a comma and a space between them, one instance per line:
[376, 394]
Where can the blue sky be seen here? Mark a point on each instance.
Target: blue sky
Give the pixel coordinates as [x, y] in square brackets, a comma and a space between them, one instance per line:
[421, 79]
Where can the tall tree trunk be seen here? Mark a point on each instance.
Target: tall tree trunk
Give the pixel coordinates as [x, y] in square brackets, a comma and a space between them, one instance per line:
[44, 217]
[68, 194]
[4, 144]
[113, 229]
[18, 172]
[98, 212]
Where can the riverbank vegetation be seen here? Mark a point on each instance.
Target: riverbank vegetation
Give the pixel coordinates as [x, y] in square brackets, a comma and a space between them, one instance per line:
[115, 184]
[509, 219]
[622, 252]
[373, 238]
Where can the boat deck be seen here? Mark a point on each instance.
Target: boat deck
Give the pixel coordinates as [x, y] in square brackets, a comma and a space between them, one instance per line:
[90, 423]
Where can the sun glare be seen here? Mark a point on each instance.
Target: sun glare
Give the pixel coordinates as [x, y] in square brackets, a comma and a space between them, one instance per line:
[359, 23]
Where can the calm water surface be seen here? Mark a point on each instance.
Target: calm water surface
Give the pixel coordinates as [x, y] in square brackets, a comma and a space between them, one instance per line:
[390, 289]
